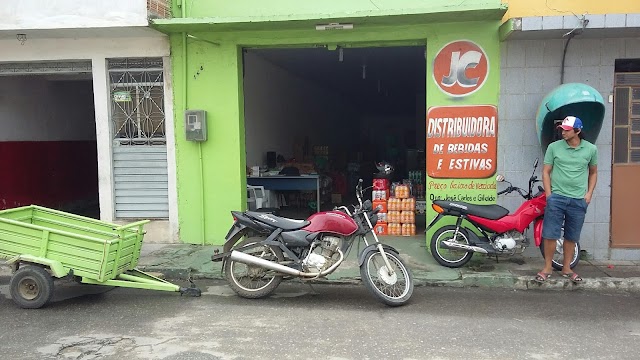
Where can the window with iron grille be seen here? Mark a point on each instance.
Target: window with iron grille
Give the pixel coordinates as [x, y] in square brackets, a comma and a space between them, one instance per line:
[626, 118]
[137, 101]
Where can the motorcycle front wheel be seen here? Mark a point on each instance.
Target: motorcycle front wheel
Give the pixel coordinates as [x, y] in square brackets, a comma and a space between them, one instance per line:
[391, 289]
[558, 255]
[448, 257]
[250, 281]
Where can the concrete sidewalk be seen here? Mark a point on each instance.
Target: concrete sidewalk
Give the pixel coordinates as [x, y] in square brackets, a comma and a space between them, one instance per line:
[179, 261]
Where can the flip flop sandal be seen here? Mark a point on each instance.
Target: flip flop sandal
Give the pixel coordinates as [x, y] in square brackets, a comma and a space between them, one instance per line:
[542, 277]
[575, 278]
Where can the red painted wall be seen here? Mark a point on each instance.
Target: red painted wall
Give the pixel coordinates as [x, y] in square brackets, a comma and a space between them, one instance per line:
[48, 173]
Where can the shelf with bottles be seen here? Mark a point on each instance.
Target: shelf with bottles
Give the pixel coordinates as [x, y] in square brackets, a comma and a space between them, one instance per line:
[321, 150]
[417, 179]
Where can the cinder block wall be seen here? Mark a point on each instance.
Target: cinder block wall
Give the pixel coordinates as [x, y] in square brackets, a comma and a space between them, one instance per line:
[530, 69]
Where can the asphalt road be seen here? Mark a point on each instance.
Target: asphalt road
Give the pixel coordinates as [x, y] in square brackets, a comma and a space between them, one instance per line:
[339, 322]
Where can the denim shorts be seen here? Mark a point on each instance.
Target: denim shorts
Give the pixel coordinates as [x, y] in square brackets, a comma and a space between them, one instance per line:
[561, 209]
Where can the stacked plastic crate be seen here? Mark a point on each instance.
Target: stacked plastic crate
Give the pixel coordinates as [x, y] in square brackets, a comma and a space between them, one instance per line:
[380, 195]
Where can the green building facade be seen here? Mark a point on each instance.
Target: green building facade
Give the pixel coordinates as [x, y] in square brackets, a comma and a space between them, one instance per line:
[207, 41]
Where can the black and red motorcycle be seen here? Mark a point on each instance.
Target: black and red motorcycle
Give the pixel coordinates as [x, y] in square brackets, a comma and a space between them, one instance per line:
[491, 229]
[261, 249]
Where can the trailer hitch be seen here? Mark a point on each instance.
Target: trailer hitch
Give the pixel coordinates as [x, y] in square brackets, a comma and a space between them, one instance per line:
[192, 290]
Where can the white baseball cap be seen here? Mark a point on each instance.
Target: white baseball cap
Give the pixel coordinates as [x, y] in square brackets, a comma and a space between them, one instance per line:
[571, 122]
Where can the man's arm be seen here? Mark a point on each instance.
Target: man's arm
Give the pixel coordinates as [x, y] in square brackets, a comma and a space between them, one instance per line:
[546, 179]
[593, 178]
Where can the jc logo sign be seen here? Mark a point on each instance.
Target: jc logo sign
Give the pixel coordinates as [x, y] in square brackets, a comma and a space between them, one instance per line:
[460, 68]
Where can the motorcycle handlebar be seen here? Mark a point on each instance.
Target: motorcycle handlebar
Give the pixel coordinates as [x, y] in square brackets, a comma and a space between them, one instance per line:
[511, 189]
[532, 180]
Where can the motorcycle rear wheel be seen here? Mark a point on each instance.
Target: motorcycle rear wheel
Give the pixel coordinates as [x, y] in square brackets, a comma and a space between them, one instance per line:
[447, 257]
[558, 255]
[249, 281]
[392, 290]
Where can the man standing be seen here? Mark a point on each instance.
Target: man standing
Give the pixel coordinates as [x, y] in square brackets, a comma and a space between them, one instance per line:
[569, 177]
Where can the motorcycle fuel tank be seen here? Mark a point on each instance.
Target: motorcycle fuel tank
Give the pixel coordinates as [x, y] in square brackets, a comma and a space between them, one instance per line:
[519, 220]
[332, 221]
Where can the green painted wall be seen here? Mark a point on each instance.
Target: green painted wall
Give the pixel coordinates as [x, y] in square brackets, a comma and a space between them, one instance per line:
[207, 76]
[296, 9]
[210, 175]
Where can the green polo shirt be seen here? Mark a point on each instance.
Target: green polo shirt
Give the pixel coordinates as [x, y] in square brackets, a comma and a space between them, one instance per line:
[570, 173]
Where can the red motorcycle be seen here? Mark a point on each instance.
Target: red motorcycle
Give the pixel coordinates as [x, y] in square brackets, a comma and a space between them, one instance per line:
[494, 231]
[261, 249]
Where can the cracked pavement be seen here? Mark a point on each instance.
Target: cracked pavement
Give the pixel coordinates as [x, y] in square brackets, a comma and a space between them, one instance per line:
[328, 321]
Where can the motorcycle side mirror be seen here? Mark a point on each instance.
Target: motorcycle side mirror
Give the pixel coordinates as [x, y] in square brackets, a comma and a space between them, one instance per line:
[500, 178]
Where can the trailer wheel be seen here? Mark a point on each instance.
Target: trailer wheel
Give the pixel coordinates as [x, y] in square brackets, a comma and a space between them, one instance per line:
[31, 287]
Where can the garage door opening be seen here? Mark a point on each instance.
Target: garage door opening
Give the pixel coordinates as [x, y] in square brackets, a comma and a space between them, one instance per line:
[335, 113]
[48, 139]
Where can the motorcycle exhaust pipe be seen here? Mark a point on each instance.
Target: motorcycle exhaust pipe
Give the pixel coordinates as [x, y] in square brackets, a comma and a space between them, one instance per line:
[455, 246]
[256, 261]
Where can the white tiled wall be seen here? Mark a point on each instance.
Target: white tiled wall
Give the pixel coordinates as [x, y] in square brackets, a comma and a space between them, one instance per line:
[530, 70]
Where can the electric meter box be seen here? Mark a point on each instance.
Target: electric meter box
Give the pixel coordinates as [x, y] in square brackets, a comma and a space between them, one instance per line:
[195, 122]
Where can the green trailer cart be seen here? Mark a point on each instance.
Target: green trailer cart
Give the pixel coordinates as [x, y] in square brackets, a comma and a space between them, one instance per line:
[41, 244]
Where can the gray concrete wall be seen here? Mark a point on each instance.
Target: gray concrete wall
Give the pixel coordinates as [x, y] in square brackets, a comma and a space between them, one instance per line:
[530, 69]
[33, 108]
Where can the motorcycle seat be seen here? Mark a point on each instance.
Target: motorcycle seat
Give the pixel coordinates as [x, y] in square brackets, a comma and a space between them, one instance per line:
[277, 221]
[491, 212]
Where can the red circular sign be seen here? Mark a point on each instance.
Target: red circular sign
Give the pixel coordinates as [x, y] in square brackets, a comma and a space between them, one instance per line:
[460, 68]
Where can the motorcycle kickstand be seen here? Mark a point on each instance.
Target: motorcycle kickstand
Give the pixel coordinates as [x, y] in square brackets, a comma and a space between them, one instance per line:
[313, 290]
[307, 281]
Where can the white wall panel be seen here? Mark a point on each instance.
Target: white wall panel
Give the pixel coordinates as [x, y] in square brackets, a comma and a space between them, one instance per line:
[68, 14]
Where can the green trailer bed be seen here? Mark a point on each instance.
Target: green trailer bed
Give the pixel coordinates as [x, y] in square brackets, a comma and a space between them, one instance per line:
[35, 238]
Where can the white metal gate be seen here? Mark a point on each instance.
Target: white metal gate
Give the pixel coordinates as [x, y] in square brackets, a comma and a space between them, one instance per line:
[139, 144]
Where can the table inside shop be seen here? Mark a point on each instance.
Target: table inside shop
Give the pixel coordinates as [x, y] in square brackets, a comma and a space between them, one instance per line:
[284, 182]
